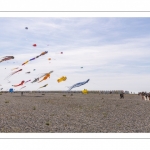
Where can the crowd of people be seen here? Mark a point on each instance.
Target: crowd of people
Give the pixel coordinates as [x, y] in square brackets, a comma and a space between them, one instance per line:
[145, 95]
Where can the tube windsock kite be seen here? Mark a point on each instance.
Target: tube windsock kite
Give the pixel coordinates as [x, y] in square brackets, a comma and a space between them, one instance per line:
[78, 84]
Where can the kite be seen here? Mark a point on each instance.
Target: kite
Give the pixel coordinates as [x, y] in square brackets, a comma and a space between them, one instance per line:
[78, 84]
[63, 78]
[46, 74]
[22, 87]
[61, 52]
[11, 90]
[49, 58]
[85, 91]
[26, 27]
[37, 79]
[6, 58]
[22, 82]
[43, 53]
[28, 81]
[13, 73]
[34, 45]
[43, 86]
[8, 81]
[14, 68]
[25, 62]
[28, 72]
[1, 88]
[81, 67]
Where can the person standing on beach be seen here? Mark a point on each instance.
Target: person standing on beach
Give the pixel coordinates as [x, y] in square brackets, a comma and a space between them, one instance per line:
[122, 95]
[143, 96]
[21, 93]
[148, 96]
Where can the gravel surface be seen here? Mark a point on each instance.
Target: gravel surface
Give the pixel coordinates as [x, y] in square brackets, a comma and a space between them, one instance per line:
[63, 113]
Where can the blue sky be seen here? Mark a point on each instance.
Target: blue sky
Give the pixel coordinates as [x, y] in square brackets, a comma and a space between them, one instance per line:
[114, 52]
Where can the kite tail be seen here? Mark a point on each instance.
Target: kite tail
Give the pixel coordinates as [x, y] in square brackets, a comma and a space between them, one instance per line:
[41, 81]
[7, 77]
[70, 89]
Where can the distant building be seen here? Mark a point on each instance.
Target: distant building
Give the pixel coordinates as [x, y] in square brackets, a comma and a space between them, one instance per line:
[126, 92]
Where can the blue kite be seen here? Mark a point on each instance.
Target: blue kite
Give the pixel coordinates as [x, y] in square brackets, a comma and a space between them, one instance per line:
[78, 84]
[11, 90]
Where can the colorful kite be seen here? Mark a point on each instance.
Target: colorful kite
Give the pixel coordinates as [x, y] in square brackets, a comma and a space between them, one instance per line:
[6, 58]
[43, 86]
[63, 78]
[26, 27]
[13, 73]
[22, 82]
[25, 62]
[46, 74]
[43, 53]
[78, 84]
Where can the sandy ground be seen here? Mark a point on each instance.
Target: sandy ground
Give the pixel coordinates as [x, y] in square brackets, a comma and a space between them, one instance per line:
[91, 113]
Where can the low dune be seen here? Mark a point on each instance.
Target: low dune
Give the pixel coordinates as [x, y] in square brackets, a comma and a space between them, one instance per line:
[73, 113]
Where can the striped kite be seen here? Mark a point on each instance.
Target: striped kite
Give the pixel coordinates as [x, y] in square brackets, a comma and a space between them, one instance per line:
[43, 53]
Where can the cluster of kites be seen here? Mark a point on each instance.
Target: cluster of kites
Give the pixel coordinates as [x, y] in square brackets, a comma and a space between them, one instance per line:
[41, 78]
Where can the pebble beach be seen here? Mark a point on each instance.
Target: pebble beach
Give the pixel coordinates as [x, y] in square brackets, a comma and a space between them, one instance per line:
[73, 113]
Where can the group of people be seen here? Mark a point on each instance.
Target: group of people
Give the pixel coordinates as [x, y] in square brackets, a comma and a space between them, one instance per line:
[145, 95]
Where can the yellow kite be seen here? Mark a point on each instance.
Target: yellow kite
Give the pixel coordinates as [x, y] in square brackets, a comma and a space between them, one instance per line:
[85, 91]
[63, 78]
